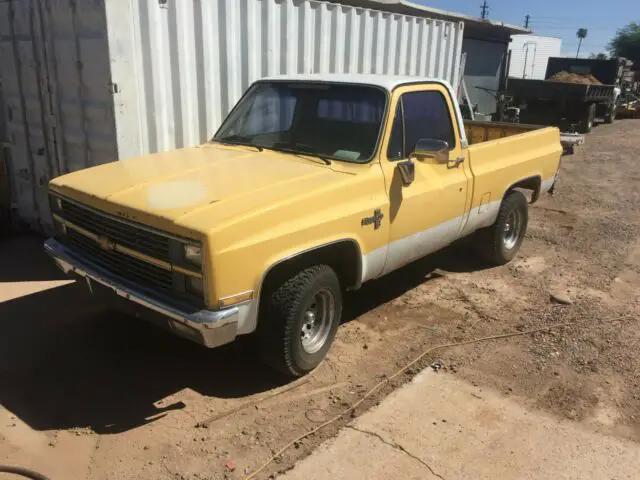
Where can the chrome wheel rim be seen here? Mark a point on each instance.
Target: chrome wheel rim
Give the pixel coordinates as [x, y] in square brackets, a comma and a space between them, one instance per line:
[512, 229]
[317, 321]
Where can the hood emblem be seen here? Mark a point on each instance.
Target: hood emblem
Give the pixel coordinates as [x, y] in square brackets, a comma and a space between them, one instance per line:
[106, 243]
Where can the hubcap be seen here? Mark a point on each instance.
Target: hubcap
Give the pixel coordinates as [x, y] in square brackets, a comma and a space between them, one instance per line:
[512, 229]
[317, 321]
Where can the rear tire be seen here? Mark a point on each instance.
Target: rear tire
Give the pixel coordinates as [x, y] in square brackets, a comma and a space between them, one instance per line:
[500, 242]
[586, 122]
[300, 320]
[611, 115]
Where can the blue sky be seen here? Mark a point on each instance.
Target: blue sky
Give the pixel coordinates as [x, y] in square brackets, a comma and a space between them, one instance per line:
[556, 18]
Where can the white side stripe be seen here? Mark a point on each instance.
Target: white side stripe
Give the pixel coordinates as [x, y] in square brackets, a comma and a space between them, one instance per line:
[547, 184]
[481, 217]
[405, 250]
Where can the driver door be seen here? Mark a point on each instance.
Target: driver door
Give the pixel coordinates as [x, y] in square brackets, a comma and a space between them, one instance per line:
[428, 213]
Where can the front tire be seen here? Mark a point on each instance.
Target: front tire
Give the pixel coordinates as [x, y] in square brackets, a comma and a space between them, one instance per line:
[301, 320]
[500, 242]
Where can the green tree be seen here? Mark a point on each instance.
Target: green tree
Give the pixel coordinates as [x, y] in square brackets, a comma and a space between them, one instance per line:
[581, 34]
[599, 56]
[626, 43]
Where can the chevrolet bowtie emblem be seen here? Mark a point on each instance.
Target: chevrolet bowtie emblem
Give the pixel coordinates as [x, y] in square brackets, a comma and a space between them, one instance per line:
[106, 244]
[375, 220]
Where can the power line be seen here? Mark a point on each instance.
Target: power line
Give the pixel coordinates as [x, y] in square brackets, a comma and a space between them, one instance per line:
[549, 27]
[552, 18]
[560, 21]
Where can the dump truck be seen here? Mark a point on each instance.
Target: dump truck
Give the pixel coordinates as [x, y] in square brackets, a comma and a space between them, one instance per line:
[313, 185]
[568, 104]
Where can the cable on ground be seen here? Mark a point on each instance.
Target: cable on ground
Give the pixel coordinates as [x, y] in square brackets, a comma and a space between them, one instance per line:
[24, 472]
[388, 379]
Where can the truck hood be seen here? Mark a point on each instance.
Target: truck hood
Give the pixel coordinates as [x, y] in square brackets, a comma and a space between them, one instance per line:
[168, 188]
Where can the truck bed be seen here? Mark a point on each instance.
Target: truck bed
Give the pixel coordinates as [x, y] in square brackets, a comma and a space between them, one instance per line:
[548, 90]
[500, 152]
[478, 132]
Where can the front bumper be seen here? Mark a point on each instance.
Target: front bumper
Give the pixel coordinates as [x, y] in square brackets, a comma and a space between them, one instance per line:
[206, 327]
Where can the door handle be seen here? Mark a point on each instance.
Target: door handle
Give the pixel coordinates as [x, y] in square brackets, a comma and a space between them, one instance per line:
[456, 163]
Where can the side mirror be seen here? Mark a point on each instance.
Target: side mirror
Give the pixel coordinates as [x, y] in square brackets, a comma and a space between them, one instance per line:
[407, 172]
[431, 148]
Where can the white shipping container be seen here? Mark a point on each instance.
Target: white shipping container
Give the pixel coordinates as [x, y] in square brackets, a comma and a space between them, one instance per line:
[530, 54]
[91, 81]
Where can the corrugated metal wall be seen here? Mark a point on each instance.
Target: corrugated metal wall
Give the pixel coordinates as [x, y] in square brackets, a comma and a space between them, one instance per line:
[59, 113]
[5, 203]
[192, 60]
[530, 54]
[91, 81]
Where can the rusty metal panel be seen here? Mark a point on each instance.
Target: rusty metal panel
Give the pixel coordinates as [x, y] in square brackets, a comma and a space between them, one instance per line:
[58, 106]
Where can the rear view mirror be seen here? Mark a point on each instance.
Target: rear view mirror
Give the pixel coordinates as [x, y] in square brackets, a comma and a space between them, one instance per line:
[432, 148]
[407, 172]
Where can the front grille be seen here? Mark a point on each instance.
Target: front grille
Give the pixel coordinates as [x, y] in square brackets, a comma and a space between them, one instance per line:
[127, 267]
[127, 235]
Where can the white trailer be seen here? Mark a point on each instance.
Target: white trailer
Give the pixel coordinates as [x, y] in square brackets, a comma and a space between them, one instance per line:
[529, 55]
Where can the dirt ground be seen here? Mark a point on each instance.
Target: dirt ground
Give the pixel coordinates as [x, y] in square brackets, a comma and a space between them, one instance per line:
[92, 395]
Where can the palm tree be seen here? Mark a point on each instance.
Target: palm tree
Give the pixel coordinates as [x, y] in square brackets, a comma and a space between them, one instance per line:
[581, 34]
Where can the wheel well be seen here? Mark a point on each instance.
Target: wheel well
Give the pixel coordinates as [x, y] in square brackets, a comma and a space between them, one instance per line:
[344, 257]
[532, 183]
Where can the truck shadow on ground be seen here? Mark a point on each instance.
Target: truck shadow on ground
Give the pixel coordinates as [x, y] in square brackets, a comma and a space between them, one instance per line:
[67, 362]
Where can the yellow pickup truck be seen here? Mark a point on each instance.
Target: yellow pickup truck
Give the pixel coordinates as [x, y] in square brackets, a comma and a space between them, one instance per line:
[312, 185]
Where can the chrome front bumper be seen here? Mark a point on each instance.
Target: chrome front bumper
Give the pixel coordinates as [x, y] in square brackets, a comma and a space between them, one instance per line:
[206, 327]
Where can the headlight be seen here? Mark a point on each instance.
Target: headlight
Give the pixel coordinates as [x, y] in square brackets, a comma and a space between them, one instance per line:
[193, 254]
[194, 285]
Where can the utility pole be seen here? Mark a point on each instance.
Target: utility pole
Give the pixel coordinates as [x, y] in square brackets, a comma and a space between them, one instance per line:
[526, 20]
[484, 9]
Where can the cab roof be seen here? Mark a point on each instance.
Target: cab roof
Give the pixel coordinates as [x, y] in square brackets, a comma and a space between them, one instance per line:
[387, 82]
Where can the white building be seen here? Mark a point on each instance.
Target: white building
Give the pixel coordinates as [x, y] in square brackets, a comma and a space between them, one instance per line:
[529, 55]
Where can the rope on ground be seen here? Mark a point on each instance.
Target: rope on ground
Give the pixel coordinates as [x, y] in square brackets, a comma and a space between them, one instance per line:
[206, 423]
[388, 379]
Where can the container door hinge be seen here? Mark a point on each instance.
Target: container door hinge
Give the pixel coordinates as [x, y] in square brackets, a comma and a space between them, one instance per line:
[113, 87]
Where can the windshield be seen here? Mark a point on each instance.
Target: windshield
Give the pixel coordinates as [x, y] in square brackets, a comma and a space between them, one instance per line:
[331, 121]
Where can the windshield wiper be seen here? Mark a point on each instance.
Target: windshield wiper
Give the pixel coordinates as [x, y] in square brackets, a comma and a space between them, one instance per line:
[286, 147]
[239, 140]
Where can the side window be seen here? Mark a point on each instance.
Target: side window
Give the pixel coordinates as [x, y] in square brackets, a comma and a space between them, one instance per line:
[395, 151]
[426, 115]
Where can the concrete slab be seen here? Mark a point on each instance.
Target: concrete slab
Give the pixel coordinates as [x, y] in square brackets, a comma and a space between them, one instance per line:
[439, 426]
[13, 290]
